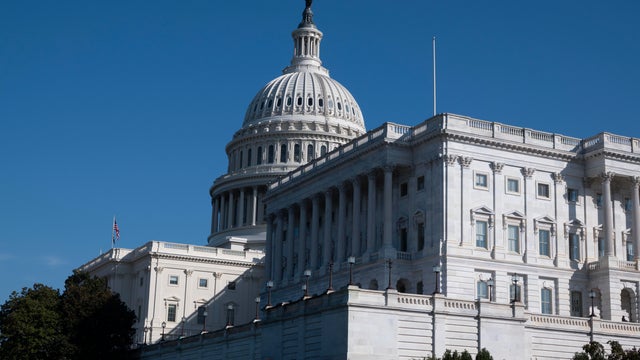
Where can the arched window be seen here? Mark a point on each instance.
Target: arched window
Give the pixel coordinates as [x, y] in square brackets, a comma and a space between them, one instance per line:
[248, 157]
[299, 100]
[310, 153]
[240, 160]
[320, 102]
[283, 153]
[259, 158]
[310, 101]
[288, 100]
[323, 150]
[402, 285]
[279, 102]
[270, 103]
[271, 155]
[296, 152]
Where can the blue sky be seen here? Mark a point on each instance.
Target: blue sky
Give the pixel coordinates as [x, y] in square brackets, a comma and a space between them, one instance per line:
[125, 107]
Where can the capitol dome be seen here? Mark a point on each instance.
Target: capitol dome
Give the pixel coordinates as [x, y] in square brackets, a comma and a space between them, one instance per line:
[296, 118]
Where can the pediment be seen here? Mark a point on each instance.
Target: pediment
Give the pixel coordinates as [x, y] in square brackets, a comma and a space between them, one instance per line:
[482, 210]
[546, 219]
[172, 298]
[514, 214]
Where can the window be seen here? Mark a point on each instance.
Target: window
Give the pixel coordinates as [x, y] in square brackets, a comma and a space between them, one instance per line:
[310, 101]
[310, 154]
[200, 319]
[289, 101]
[241, 158]
[598, 199]
[601, 247]
[481, 234]
[576, 303]
[572, 195]
[420, 287]
[420, 183]
[271, 155]
[296, 152]
[544, 237]
[574, 247]
[513, 233]
[299, 101]
[403, 189]
[630, 253]
[513, 186]
[283, 153]
[323, 150]
[403, 239]
[279, 102]
[249, 157]
[628, 205]
[320, 102]
[482, 290]
[481, 181]
[171, 312]
[173, 279]
[420, 236]
[231, 285]
[203, 283]
[141, 280]
[259, 159]
[543, 191]
[545, 301]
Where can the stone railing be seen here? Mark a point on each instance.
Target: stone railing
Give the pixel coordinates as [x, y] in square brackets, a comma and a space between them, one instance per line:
[413, 300]
[612, 141]
[613, 327]
[613, 264]
[206, 251]
[560, 322]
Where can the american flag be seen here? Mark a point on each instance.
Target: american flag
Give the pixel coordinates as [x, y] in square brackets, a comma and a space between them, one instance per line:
[116, 230]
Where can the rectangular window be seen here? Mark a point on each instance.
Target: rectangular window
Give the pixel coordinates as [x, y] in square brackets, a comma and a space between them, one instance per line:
[544, 242]
[545, 301]
[259, 157]
[483, 290]
[173, 279]
[420, 236]
[203, 283]
[171, 312]
[481, 181]
[200, 317]
[572, 195]
[630, 253]
[601, 247]
[574, 247]
[513, 233]
[231, 285]
[271, 155]
[420, 183]
[513, 186]
[543, 191]
[283, 153]
[404, 189]
[249, 157]
[481, 234]
[403, 239]
[576, 303]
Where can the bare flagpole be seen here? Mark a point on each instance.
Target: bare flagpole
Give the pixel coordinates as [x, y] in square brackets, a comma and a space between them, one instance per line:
[433, 43]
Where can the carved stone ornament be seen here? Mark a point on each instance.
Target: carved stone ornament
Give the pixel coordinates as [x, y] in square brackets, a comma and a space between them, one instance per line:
[607, 176]
[465, 161]
[558, 178]
[450, 159]
[528, 172]
[497, 167]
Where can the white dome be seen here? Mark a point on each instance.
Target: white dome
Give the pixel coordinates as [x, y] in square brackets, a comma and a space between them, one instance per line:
[303, 94]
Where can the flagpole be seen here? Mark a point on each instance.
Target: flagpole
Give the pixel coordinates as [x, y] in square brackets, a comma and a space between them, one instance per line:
[434, 75]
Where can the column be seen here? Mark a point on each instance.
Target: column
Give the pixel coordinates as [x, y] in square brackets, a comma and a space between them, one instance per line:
[355, 229]
[608, 213]
[326, 245]
[342, 214]
[387, 206]
[635, 231]
[269, 258]
[302, 234]
[466, 183]
[291, 218]
[214, 215]
[371, 211]
[260, 206]
[315, 224]
[254, 203]
[241, 209]
[277, 258]
[223, 223]
[232, 210]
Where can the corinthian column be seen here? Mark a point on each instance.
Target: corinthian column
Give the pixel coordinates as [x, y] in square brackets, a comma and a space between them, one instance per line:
[355, 226]
[342, 214]
[608, 213]
[326, 246]
[315, 224]
[635, 232]
[371, 212]
[388, 221]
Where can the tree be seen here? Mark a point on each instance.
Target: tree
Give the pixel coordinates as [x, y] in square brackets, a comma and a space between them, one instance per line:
[31, 325]
[595, 351]
[484, 355]
[455, 356]
[98, 323]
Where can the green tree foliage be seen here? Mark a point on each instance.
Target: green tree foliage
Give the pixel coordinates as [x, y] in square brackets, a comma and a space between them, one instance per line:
[448, 355]
[595, 351]
[31, 325]
[87, 321]
[484, 355]
[98, 323]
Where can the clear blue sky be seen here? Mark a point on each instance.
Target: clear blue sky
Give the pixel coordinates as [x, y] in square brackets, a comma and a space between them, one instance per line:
[125, 107]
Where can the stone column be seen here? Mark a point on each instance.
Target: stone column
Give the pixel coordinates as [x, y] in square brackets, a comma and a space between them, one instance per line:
[232, 210]
[342, 214]
[302, 234]
[608, 213]
[355, 228]
[326, 245]
[466, 183]
[635, 231]
[254, 204]
[241, 209]
[387, 206]
[223, 223]
[269, 258]
[214, 215]
[277, 258]
[291, 218]
[260, 206]
[315, 224]
[371, 212]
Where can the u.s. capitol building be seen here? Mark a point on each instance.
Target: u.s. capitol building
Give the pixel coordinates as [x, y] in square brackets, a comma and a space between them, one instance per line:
[394, 243]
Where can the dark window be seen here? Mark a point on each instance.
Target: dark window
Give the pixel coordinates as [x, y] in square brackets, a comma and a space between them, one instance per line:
[420, 236]
[240, 163]
[572, 195]
[545, 299]
[420, 287]
[270, 103]
[271, 155]
[259, 158]
[543, 191]
[574, 247]
[630, 253]
[171, 312]
[231, 285]
[482, 289]
[200, 318]
[203, 283]
[310, 101]
[598, 199]
[296, 153]
[403, 189]
[289, 101]
[481, 234]
[323, 150]
[249, 157]
[601, 247]
[299, 100]
[320, 102]
[576, 303]
[339, 106]
[544, 239]
[420, 183]
[279, 102]
[403, 239]
[310, 153]
[283, 153]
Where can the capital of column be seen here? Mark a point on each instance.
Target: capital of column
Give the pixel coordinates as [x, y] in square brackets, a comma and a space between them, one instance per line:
[188, 272]
[528, 172]
[635, 181]
[355, 181]
[607, 176]
[450, 160]
[465, 161]
[371, 175]
[388, 168]
[558, 178]
[497, 167]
